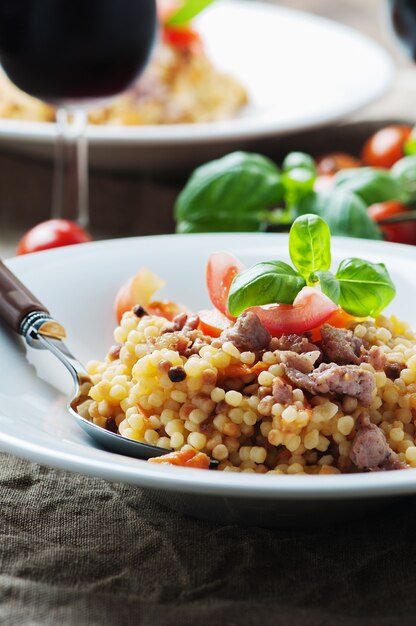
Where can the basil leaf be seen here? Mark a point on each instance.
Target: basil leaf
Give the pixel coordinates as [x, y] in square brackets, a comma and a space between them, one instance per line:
[221, 224]
[404, 171]
[371, 184]
[264, 283]
[298, 159]
[410, 143]
[366, 288]
[309, 245]
[238, 186]
[298, 183]
[329, 285]
[188, 10]
[344, 212]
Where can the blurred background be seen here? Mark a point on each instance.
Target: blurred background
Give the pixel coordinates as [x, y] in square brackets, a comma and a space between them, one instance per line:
[131, 203]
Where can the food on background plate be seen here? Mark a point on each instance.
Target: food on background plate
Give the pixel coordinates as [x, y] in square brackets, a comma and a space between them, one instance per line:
[248, 192]
[289, 382]
[180, 84]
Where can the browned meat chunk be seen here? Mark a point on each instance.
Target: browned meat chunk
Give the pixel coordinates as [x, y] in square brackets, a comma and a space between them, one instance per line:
[345, 380]
[340, 345]
[248, 333]
[294, 343]
[375, 357]
[182, 335]
[183, 322]
[393, 370]
[370, 450]
[302, 362]
[282, 392]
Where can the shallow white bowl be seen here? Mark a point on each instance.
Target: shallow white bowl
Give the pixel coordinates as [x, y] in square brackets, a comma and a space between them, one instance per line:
[300, 71]
[78, 284]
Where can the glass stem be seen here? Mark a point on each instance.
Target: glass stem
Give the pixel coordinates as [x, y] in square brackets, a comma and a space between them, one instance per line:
[70, 178]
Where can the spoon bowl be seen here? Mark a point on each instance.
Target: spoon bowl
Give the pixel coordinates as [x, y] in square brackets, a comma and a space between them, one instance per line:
[27, 316]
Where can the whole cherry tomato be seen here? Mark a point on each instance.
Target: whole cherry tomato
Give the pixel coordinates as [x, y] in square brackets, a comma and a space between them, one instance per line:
[403, 232]
[386, 146]
[330, 164]
[52, 234]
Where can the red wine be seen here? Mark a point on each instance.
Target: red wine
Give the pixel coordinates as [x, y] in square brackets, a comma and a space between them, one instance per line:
[403, 19]
[69, 50]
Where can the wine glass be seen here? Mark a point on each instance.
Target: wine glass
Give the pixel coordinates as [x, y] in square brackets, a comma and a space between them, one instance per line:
[402, 15]
[74, 54]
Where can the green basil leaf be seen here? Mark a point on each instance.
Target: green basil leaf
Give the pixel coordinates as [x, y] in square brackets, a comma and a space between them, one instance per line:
[235, 186]
[221, 224]
[329, 285]
[371, 184]
[404, 171]
[366, 288]
[185, 13]
[298, 183]
[264, 283]
[309, 245]
[296, 160]
[343, 211]
[410, 143]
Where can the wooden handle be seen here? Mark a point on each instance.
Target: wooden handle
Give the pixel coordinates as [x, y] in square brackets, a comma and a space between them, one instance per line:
[16, 301]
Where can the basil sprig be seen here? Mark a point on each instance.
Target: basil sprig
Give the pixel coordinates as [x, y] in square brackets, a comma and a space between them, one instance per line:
[186, 12]
[309, 245]
[371, 184]
[228, 192]
[365, 288]
[360, 287]
[329, 285]
[343, 211]
[269, 281]
[404, 171]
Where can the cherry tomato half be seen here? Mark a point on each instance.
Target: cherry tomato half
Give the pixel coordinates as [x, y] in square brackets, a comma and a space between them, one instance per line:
[52, 234]
[330, 164]
[139, 290]
[220, 272]
[310, 308]
[212, 322]
[386, 146]
[403, 232]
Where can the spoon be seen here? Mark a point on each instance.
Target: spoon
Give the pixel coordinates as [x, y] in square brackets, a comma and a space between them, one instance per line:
[27, 316]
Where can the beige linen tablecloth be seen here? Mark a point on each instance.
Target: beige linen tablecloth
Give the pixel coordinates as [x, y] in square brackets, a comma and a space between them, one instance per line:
[83, 552]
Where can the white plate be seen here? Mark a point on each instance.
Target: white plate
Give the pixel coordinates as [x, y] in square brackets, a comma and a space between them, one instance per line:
[300, 71]
[78, 284]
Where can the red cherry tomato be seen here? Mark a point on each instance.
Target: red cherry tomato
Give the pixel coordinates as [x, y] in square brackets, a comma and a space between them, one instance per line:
[403, 232]
[212, 322]
[183, 37]
[221, 269]
[386, 146]
[330, 164]
[52, 234]
[310, 308]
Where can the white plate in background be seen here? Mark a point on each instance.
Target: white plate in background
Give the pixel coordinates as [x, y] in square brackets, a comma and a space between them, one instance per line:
[78, 284]
[300, 71]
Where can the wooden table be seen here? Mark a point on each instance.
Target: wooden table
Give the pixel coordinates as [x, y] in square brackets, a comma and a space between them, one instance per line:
[119, 202]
